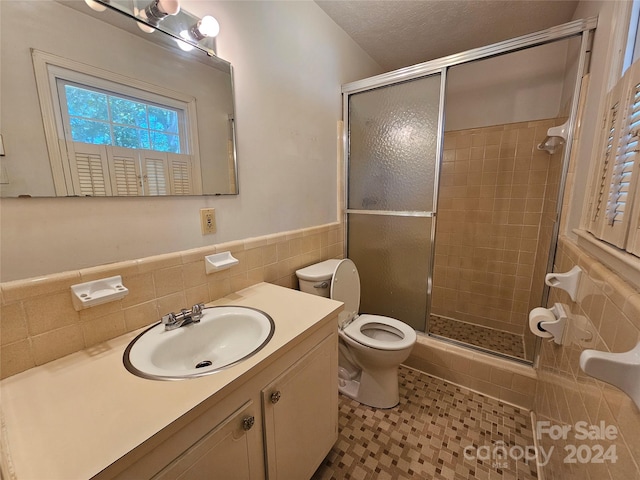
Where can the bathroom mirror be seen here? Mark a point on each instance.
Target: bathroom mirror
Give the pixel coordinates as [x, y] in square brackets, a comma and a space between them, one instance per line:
[94, 106]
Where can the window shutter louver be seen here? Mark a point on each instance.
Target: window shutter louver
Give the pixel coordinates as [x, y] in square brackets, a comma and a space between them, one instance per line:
[607, 153]
[89, 171]
[621, 189]
[633, 241]
[155, 171]
[181, 178]
[124, 169]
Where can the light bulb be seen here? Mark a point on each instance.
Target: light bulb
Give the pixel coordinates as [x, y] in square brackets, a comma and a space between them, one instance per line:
[184, 45]
[143, 26]
[209, 26]
[97, 6]
[170, 7]
[155, 12]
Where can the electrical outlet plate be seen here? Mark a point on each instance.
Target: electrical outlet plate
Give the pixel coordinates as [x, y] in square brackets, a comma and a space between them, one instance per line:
[208, 220]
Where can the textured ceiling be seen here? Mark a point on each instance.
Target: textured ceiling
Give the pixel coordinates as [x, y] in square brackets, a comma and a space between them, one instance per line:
[398, 33]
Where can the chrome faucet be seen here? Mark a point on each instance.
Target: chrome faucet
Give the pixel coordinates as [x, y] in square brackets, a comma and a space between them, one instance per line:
[171, 321]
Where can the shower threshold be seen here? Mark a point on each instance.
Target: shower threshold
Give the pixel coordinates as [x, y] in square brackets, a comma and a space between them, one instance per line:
[478, 336]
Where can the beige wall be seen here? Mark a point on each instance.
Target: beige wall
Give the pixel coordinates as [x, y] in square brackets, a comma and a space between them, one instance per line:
[517, 87]
[290, 60]
[495, 185]
[610, 309]
[39, 323]
[606, 306]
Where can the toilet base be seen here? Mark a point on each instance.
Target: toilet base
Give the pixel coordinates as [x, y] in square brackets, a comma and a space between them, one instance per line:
[380, 391]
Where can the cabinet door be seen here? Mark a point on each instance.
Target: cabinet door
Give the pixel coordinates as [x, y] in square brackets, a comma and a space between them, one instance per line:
[301, 413]
[230, 451]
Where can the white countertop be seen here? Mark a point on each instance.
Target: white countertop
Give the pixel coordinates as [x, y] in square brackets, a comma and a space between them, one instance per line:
[73, 417]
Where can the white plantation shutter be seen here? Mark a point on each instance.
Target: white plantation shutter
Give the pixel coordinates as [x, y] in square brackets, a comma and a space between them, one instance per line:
[616, 186]
[103, 170]
[89, 170]
[125, 173]
[633, 147]
[155, 173]
[607, 155]
[181, 174]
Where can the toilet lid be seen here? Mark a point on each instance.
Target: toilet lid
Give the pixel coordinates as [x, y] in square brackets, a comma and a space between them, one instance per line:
[345, 287]
[382, 333]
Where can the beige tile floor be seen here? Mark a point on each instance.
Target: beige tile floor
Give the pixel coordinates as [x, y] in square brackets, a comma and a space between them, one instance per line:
[491, 339]
[425, 436]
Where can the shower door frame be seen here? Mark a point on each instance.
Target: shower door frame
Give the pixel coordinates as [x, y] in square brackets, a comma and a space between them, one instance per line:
[582, 27]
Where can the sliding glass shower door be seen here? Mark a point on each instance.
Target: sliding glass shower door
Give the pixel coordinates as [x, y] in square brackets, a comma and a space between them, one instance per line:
[394, 137]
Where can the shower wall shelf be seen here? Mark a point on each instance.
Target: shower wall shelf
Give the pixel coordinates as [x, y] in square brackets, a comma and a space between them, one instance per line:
[97, 292]
[556, 137]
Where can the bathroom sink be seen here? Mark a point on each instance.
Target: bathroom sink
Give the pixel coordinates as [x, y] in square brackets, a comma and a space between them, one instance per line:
[223, 337]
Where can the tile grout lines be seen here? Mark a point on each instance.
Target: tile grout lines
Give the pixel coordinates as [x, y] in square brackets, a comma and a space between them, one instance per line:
[438, 430]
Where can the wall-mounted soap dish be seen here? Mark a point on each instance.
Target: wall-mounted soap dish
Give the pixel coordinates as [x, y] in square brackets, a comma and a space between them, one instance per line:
[97, 292]
[219, 261]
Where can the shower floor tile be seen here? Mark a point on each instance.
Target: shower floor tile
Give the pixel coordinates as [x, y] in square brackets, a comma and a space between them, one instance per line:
[427, 435]
[499, 341]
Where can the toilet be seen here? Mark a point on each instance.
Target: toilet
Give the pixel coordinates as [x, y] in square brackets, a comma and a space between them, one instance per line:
[371, 347]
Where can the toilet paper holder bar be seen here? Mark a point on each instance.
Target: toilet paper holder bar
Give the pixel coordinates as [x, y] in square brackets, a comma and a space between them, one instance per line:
[556, 327]
[568, 281]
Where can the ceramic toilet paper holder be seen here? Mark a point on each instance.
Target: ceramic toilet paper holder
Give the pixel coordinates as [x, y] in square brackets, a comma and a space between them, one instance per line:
[566, 281]
[556, 327]
[549, 322]
[621, 370]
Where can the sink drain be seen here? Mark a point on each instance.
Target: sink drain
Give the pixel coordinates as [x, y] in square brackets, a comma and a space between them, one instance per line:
[204, 363]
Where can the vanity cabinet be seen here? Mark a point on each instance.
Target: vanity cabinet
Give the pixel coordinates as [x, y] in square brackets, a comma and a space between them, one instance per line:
[232, 450]
[277, 425]
[301, 414]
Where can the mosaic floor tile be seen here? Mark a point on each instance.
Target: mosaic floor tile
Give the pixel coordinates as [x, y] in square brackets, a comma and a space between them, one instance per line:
[488, 338]
[438, 431]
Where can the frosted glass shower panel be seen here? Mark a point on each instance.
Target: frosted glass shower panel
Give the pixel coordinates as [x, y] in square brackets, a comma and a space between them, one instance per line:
[393, 146]
[393, 257]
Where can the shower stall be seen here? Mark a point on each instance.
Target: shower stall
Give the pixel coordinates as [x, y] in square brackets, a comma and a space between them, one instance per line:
[452, 207]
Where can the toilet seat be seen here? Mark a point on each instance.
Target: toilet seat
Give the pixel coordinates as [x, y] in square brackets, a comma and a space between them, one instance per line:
[403, 336]
[345, 287]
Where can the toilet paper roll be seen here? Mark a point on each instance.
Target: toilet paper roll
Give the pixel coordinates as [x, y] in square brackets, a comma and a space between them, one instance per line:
[538, 315]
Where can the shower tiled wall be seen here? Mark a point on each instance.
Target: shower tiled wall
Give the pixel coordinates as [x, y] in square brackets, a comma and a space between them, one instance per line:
[38, 323]
[490, 211]
[609, 309]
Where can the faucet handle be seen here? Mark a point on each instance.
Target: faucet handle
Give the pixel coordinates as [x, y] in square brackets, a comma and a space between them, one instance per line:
[169, 319]
[196, 312]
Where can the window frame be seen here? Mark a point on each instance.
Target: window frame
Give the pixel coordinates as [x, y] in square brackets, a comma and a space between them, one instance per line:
[87, 83]
[48, 68]
[623, 49]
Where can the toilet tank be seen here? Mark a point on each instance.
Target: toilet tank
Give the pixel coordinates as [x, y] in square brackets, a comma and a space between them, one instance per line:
[316, 279]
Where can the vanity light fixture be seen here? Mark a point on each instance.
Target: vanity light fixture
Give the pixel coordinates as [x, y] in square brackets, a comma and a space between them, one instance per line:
[155, 12]
[208, 27]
